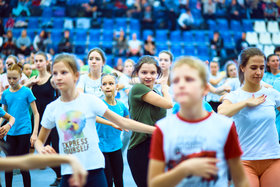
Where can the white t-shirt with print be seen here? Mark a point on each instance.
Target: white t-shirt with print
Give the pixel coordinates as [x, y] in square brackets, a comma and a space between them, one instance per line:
[256, 125]
[75, 122]
[91, 86]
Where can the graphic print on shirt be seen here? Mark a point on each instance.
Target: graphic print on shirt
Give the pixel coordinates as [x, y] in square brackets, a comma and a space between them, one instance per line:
[187, 149]
[72, 124]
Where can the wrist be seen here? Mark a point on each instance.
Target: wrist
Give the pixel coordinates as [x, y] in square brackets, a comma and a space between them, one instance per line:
[9, 125]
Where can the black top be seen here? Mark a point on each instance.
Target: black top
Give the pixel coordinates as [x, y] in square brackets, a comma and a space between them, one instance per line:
[44, 94]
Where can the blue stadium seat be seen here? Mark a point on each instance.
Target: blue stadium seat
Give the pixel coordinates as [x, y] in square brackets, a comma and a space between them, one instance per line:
[203, 52]
[237, 35]
[134, 25]
[235, 26]
[120, 23]
[94, 37]
[175, 37]
[228, 40]
[176, 50]
[161, 36]
[108, 24]
[33, 22]
[146, 33]
[16, 32]
[107, 41]
[189, 50]
[161, 47]
[80, 36]
[109, 60]
[212, 25]
[31, 33]
[47, 12]
[80, 48]
[247, 25]
[58, 12]
[58, 23]
[200, 37]
[56, 35]
[222, 25]
[188, 37]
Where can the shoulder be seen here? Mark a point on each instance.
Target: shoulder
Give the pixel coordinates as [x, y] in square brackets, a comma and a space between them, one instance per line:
[166, 121]
[140, 86]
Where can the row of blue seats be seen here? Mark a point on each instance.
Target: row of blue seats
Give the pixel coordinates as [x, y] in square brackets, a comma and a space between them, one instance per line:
[84, 36]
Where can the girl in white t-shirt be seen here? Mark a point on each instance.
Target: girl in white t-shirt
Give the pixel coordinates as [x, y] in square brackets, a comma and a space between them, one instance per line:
[194, 147]
[252, 108]
[74, 115]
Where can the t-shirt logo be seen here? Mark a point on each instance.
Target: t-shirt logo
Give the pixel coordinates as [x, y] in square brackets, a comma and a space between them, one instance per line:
[72, 124]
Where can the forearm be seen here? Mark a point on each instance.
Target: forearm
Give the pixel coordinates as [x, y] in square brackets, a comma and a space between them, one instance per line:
[103, 121]
[170, 178]
[36, 123]
[32, 161]
[231, 109]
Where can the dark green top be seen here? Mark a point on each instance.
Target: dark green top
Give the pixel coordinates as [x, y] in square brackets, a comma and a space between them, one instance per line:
[142, 111]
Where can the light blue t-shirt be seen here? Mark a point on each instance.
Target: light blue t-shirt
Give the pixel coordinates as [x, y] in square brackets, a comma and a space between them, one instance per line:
[206, 106]
[18, 106]
[269, 78]
[2, 112]
[276, 86]
[109, 137]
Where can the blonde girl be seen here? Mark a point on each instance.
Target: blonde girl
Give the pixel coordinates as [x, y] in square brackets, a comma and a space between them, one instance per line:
[16, 101]
[74, 115]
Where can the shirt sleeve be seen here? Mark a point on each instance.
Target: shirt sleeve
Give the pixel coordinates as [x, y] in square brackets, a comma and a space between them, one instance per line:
[3, 98]
[81, 83]
[2, 112]
[139, 90]
[100, 107]
[125, 110]
[48, 119]
[230, 96]
[232, 147]
[30, 96]
[277, 97]
[156, 149]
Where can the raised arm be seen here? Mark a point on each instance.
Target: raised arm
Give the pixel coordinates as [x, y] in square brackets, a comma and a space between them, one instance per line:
[126, 123]
[155, 99]
[229, 109]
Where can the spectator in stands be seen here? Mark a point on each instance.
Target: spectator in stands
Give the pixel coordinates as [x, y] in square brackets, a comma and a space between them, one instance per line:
[23, 44]
[22, 8]
[134, 8]
[66, 44]
[4, 9]
[119, 65]
[241, 43]
[149, 46]
[209, 9]
[186, 20]
[120, 43]
[42, 41]
[91, 8]
[270, 10]
[234, 10]
[277, 51]
[217, 45]
[171, 13]
[2, 32]
[147, 20]
[9, 46]
[134, 46]
[183, 4]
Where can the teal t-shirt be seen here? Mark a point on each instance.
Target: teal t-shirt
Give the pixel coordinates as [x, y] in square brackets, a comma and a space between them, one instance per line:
[18, 106]
[109, 137]
[142, 111]
[206, 106]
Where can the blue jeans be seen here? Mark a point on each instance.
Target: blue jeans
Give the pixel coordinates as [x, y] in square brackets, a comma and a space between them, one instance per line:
[95, 178]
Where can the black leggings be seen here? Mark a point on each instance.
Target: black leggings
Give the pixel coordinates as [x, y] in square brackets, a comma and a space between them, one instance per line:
[53, 141]
[138, 159]
[18, 145]
[114, 168]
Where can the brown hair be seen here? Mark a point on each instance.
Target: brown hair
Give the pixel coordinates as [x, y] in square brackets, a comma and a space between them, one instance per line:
[45, 57]
[68, 60]
[15, 59]
[17, 67]
[169, 53]
[147, 59]
[100, 51]
[194, 63]
[267, 60]
[244, 57]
